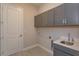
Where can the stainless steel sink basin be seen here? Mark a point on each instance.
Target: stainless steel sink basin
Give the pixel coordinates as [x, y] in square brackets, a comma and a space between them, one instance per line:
[67, 43]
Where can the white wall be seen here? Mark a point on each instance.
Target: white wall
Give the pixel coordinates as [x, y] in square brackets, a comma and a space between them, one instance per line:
[47, 6]
[0, 29]
[29, 30]
[55, 32]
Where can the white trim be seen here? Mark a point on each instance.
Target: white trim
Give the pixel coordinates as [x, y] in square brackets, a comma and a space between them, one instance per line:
[39, 45]
[51, 52]
[30, 47]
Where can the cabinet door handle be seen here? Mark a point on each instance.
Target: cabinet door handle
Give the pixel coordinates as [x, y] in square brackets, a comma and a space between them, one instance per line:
[64, 21]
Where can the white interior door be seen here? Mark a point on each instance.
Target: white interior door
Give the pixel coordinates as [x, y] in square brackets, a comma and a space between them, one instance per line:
[12, 26]
[20, 27]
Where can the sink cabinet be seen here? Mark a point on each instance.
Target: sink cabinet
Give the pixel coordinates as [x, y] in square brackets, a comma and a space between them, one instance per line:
[58, 52]
[64, 51]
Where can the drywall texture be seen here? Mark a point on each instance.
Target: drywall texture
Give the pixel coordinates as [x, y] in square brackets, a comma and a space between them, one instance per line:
[29, 12]
[29, 30]
[0, 29]
[55, 32]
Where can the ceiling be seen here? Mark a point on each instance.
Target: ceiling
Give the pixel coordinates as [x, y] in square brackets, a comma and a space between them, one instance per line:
[37, 4]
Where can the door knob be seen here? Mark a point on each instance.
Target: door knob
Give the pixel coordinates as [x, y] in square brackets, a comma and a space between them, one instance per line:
[20, 35]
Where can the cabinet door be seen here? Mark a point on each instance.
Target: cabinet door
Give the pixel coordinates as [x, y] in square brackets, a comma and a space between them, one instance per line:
[71, 13]
[59, 15]
[66, 50]
[38, 21]
[44, 19]
[51, 17]
[58, 52]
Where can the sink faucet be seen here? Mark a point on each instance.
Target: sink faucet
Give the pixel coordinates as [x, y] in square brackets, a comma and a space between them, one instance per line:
[69, 37]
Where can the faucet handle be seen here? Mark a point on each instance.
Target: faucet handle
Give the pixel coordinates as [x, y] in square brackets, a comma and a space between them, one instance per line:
[69, 37]
[72, 39]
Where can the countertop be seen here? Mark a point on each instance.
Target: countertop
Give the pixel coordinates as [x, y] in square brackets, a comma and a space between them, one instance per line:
[74, 47]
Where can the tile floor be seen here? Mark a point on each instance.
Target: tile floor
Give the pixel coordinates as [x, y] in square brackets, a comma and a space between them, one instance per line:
[37, 51]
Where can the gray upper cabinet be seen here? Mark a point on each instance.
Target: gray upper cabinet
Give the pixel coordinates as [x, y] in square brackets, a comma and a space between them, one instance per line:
[44, 19]
[51, 17]
[65, 14]
[71, 13]
[38, 21]
[59, 15]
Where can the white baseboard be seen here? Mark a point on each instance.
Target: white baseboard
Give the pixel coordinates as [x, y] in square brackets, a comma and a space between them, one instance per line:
[30, 47]
[51, 52]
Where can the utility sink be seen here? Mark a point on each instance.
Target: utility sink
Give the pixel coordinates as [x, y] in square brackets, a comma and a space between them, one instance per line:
[67, 43]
